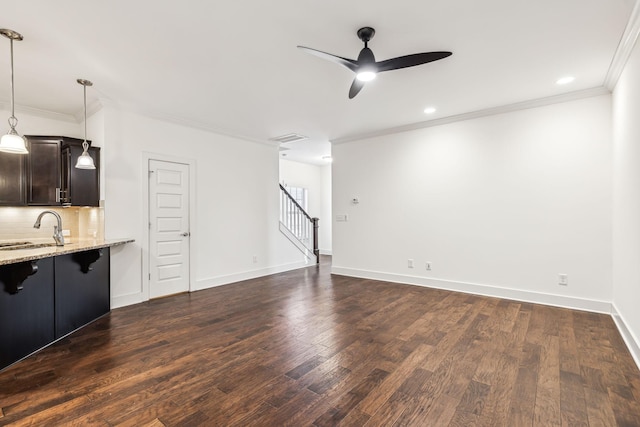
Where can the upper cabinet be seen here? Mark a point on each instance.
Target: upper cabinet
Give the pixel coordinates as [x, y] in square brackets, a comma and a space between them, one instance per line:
[13, 170]
[81, 187]
[47, 175]
[43, 172]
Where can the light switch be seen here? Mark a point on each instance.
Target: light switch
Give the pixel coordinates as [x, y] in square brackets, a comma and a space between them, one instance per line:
[342, 218]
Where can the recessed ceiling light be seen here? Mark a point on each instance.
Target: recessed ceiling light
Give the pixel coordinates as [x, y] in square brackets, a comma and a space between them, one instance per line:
[565, 80]
[327, 158]
[429, 110]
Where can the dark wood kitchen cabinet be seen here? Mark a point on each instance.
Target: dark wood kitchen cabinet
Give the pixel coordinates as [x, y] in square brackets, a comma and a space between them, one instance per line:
[81, 289]
[26, 316]
[43, 171]
[13, 169]
[47, 176]
[42, 301]
[81, 187]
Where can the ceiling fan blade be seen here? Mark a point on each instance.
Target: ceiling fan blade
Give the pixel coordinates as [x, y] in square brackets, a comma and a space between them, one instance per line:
[356, 87]
[410, 60]
[345, 62]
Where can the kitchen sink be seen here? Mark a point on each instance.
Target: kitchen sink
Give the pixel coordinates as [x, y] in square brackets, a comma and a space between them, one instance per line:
[5, 244]
[25, 245]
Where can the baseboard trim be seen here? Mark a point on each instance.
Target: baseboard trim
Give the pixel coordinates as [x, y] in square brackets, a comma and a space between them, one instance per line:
[479, 289]
[125, 300]
[633, 344]
[246, 275]
[325, 252]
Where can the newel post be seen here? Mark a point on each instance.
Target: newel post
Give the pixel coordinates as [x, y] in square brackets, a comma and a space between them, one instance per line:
[316, 251]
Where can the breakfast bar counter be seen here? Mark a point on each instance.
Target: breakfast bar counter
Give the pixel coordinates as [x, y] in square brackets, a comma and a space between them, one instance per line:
[48, 291]
[14, 251]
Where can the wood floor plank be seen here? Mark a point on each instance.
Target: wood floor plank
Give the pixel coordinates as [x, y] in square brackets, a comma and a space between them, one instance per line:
[374, 401]
[569, 357]
[599, 410]
[474, 398]
[499, 397]
[336, 414]
[306, 347]
[547, 399]
[573, 406]
[437, 413]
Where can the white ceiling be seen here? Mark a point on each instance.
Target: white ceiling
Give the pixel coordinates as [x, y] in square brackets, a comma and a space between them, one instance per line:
[233, 66]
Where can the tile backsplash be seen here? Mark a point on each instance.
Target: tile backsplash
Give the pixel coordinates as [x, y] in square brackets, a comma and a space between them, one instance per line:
[82, 222]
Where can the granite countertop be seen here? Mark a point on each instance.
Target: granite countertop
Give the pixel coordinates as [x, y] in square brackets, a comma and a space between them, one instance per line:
[12, 256]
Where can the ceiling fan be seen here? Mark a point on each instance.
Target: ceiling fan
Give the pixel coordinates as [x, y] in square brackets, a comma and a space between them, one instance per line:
[366, 66]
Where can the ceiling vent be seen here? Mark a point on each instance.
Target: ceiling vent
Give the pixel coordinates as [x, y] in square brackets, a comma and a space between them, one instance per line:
[290, 137]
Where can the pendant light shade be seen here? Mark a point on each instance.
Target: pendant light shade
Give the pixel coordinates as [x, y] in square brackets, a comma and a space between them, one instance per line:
[84, 160]
[12, 142]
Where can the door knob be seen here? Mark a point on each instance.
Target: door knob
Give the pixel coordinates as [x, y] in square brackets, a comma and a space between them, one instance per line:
[186, 234]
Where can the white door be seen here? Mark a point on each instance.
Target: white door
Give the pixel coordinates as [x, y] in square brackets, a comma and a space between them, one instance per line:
[168, 228]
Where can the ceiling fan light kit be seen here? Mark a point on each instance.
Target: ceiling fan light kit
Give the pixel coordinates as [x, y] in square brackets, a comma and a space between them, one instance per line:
[366, 76]
[366, 68]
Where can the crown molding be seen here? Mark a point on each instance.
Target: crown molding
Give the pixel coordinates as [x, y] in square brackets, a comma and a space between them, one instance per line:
[195, 124]
[37, 112]
[92, 108]
[534, 103]
[624, 49]
[100, 103]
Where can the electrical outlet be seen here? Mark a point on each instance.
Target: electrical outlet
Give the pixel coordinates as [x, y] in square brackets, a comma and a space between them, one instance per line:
[428, 265]
[410, 263]
[563, 279]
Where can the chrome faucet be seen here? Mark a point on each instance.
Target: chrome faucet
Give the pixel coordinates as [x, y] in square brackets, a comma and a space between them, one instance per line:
[57, 229]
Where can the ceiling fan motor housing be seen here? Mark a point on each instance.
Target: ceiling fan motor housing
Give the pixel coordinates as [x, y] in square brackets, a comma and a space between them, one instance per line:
[366, 33]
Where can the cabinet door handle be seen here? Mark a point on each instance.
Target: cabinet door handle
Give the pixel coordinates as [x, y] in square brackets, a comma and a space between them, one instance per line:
[185, 234]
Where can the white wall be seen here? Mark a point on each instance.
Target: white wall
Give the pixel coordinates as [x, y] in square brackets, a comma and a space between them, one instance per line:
[317, 180]
[95, 133]
[31, 124]
[499, 205]
[626, 203]
[326, 224]
[236, 203]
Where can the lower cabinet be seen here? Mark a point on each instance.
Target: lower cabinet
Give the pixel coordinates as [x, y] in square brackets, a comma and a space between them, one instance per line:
[26, 316]
[81, 289]
[42, 304]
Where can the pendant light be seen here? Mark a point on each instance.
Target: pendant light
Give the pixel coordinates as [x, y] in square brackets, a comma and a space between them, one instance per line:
[12, 142]
[85, 161]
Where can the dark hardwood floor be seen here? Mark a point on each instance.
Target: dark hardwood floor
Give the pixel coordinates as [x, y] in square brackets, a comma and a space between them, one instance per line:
[305, 348]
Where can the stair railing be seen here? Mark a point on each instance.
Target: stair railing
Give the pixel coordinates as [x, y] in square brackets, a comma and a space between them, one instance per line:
[299, 222]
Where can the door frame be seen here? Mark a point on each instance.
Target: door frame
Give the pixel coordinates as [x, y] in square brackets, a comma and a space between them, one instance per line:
[146, 157]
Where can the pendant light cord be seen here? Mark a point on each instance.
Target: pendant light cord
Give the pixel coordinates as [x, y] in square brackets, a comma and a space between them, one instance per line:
[13, 121]
[85, 144]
